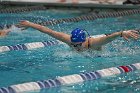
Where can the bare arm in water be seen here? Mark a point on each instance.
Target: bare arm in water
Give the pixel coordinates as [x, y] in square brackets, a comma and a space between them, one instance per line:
[4, 32]
[58, 35]
[98, 42]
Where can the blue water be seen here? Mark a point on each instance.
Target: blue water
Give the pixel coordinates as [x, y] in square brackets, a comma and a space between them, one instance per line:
[50, 62]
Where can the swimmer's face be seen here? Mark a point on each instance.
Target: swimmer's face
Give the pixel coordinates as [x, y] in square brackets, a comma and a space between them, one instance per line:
[76, 44]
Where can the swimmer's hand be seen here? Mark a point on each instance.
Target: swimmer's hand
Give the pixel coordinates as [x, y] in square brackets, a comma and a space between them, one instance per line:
[4, 32]
[130, 34]
[23, 24]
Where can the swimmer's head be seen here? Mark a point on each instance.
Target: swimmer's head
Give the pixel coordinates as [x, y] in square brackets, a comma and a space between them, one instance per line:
[78, 35]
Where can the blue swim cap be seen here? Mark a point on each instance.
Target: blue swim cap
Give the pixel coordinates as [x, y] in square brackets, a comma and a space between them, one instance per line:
[78, 35]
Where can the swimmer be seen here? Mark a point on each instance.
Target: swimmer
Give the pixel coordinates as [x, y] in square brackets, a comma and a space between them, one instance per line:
[78, 39]
[7, 30]
[4, 32]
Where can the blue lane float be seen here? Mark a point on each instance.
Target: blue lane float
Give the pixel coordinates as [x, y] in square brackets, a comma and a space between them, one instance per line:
[70, 79]
[29, 46]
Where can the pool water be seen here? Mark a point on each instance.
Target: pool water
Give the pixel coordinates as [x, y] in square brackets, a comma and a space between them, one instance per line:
[50, 62]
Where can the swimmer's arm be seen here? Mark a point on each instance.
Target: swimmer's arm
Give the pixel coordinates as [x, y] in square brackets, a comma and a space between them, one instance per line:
[58, 35]
[98, 42]
[106, 39]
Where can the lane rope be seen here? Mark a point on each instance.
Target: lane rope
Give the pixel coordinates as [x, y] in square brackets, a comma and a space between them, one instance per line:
[70, 79]
[21, 9]
[91, 16]
[28, 46]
